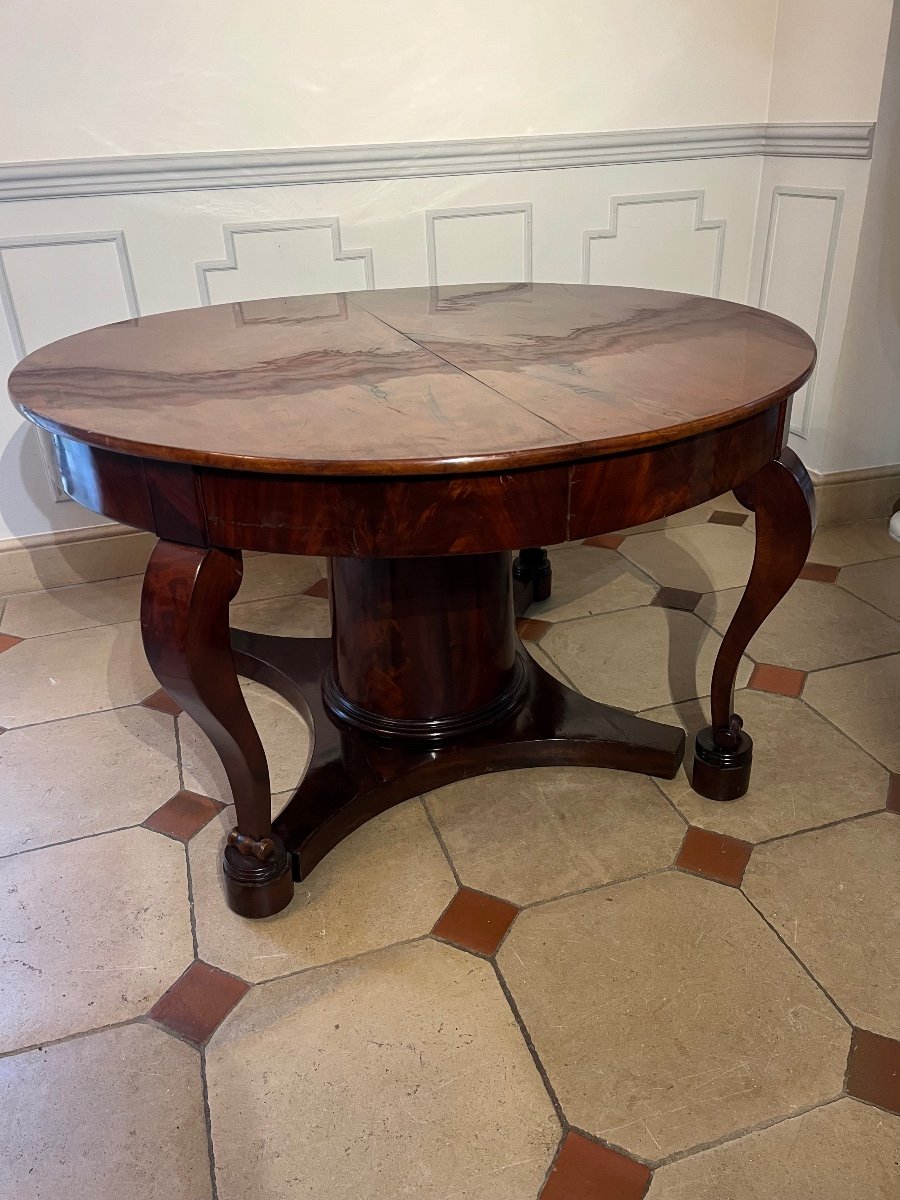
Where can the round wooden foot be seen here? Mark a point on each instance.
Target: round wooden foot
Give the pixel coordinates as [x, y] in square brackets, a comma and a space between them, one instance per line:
[721, 773]
[258, 889]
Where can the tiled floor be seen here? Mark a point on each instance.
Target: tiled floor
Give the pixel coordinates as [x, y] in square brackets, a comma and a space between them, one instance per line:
[560, 983]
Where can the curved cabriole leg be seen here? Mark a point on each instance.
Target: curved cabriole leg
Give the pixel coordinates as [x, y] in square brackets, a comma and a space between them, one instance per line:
[184, 621]
[782, 497]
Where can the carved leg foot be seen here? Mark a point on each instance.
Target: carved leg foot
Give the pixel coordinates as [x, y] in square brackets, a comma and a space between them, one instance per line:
[532, 578]
[782, 497]
[184, 621]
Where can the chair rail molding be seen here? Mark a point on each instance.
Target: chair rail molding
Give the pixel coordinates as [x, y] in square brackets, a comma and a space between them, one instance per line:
[836, 196]
[14, 320]
[231, 233]
[700, 225]
[435, 215]
[129, 174]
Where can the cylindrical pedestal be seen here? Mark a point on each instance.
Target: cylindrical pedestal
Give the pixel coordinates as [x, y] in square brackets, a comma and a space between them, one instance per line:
[423, 648]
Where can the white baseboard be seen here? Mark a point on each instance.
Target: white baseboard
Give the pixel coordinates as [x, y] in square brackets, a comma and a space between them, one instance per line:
[48, 560]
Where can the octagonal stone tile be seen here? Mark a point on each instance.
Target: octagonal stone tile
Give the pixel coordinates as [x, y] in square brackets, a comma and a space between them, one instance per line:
[388, 882]
[401, 1073]
[114, 1114]
[834, 896]
[698, 558]
[84, 775]
[267, 575]
[668, 1015]
[533, 834]
[843, 1151]
[804, 774]
[284, 734]
[285, 616]
[816, 625]
[92, 932]
[639, 658]
[861, 699]
[588, 580]
[862, 541]
[876, 582]
[36, 614]
[65, 674]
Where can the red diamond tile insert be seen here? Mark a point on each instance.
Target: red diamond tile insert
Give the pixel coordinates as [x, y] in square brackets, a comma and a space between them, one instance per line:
[475, 922]
[727, 518]
[714, 856]
[197, 1003]
[678, 598]
[7, 641]
[820, 572]
[162, 702]
[585, 1170]
[874, 1072]
[531, 630]
[782, 681]
[184, 815]
[893, 794]
[319, 588]
[605, 541]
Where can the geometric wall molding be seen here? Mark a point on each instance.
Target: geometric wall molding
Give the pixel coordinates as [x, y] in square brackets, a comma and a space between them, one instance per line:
[131, 174]
[798, 265]
[651, 239]
[54, 285]
[488, 243]
[283, 258]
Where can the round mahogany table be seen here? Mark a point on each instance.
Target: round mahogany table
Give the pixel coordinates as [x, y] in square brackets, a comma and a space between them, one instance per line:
[417, 437]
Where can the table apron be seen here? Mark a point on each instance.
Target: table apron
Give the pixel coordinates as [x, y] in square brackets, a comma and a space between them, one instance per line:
[412, 516]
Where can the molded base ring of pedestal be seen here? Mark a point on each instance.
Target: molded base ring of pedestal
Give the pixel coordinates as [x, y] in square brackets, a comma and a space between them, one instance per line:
[255, 889]
[438, 730]
[722, 773]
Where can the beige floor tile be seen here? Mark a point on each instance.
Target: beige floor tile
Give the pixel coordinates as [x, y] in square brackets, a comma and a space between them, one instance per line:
[286, 616]
[876, 582]
[844, 1151]
[639, 658]
[78, 562]
[285, 737]
[92, 932]
[116, 1114]
[86, 775]
[65, 674]
[862, 700]
[698, 515]
[834, 896]
[816, 625]
[267, 575]
[529, 835]
[805, 773]
[668, 1015]
[543, 659]
[402, 1073]
[863, 541]
[699, 558]
[35, 614]
[589, 580]
[388, 882]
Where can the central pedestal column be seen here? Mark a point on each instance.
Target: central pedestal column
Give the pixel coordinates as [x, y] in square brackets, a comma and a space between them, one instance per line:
[424, 649]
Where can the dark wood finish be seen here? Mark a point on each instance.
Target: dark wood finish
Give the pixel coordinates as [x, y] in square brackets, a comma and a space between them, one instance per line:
[417, 438]
[184, 622]
[782, 497]
[353, 775]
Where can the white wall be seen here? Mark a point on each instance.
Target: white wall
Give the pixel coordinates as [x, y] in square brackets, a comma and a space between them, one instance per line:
[864, 423]
[828, 59]
[121, 79]
[107, 77]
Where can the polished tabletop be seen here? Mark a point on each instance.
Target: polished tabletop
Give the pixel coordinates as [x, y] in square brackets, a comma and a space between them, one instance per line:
[427, 380]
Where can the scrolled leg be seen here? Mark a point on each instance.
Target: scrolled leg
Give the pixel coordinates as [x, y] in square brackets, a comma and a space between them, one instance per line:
[781, 495]
[184, 621]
